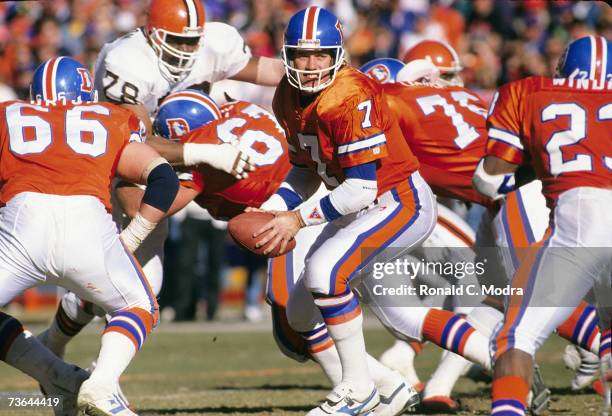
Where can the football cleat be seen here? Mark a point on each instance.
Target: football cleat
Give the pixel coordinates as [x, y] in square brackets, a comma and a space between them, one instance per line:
[396, 396]
[584, 363]
[100, 400]
[65, 380]
[539, 394]
[341, 401]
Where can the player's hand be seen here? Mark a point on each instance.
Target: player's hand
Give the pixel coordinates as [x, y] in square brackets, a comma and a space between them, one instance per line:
[233, 161]
[278, 231]
[226, 157]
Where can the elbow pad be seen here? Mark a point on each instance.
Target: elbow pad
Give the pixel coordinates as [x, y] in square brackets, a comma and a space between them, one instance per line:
[162, 187]
[493, 186]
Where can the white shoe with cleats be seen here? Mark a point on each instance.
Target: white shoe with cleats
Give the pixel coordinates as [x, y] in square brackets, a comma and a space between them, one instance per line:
[584, 363]
[342, 401]
[101, 400]
[396, 396]
[65, 381]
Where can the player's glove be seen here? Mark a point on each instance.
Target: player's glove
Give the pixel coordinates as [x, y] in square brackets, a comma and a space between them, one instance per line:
[225, 157]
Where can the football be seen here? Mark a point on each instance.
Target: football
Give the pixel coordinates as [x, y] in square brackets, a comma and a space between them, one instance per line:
[242, 227]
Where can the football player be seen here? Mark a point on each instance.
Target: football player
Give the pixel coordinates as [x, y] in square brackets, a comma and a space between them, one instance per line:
[339, 133]
[175, 50]
[558, 126]
[60, 153]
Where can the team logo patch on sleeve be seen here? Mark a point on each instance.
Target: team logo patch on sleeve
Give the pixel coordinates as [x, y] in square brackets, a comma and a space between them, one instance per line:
[315, 214]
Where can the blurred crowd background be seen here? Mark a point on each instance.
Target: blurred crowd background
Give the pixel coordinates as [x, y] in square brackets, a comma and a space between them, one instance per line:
[497, 41]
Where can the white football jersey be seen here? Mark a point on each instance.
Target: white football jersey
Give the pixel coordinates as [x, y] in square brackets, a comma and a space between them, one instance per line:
[128, 71]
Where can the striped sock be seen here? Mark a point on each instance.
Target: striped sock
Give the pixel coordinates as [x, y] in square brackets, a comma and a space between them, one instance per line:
[455, 334]
[509, 396]
[123, 336]
[344, 320]
[605, 347]
[581, 328]
[323, 351]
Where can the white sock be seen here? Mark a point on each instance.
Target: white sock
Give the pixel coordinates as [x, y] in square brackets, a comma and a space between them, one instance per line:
[477, 350]
[329, 361]
[27, 354]
[442, 381]
[348, 337]
[116, 353]
[485, 319]
[400, 357]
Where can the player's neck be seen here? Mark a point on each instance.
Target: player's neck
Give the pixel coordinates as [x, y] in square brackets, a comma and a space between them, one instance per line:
[307, 99]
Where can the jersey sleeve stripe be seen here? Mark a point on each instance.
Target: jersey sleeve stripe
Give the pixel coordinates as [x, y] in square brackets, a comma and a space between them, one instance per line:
[505, 137]
[363, 144]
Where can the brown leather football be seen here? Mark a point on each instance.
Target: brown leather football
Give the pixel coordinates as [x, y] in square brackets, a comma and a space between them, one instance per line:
[242, 227]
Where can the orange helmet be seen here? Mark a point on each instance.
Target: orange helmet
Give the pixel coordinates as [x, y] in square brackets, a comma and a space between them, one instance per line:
[441, 55]
[175, 29]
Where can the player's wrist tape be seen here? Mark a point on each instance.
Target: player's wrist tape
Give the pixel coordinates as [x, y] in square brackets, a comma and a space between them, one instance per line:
[137, 230]
[493, 186]
[201, 153]
[162, 187]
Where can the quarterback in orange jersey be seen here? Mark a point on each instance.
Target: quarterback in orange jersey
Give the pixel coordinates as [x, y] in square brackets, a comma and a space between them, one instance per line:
[340, 133]
[560, 127]
[58, 156]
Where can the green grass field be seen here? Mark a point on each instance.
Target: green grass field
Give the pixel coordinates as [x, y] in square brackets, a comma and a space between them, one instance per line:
[198, 369]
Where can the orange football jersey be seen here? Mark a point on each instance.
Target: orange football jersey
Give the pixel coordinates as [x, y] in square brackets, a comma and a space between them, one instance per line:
[345, 125]
[445, 128]
[70, 149]
[258, 135]
[562, 128]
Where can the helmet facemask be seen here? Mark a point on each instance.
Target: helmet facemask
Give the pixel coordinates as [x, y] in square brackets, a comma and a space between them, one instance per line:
[175, 63]
[294, 74]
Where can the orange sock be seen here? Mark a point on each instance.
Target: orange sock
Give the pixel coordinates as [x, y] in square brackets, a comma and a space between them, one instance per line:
[509, 396]
[581, 328]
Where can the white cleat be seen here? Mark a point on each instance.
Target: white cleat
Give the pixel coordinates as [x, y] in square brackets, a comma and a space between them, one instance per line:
[341, 401]
[101, 400]
[396, 396]
[65, 381]
[584, 363]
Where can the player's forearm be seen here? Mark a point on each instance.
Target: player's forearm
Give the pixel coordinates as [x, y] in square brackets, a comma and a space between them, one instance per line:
[357, 192]
[494, 177]
[299, 185]
[262, 71]
[162, 188]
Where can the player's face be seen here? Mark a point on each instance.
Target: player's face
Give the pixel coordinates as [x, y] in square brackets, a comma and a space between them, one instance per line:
[183, 44]
[312, 60]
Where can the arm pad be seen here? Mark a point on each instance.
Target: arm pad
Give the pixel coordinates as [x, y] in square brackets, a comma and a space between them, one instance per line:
[162, 187]
[350, 196]
[493, 186]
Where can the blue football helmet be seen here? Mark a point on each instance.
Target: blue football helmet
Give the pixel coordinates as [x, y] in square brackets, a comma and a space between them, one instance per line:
[383, 70]
[62, 78]
[586, 58]
[313, 28]
[183, 111]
